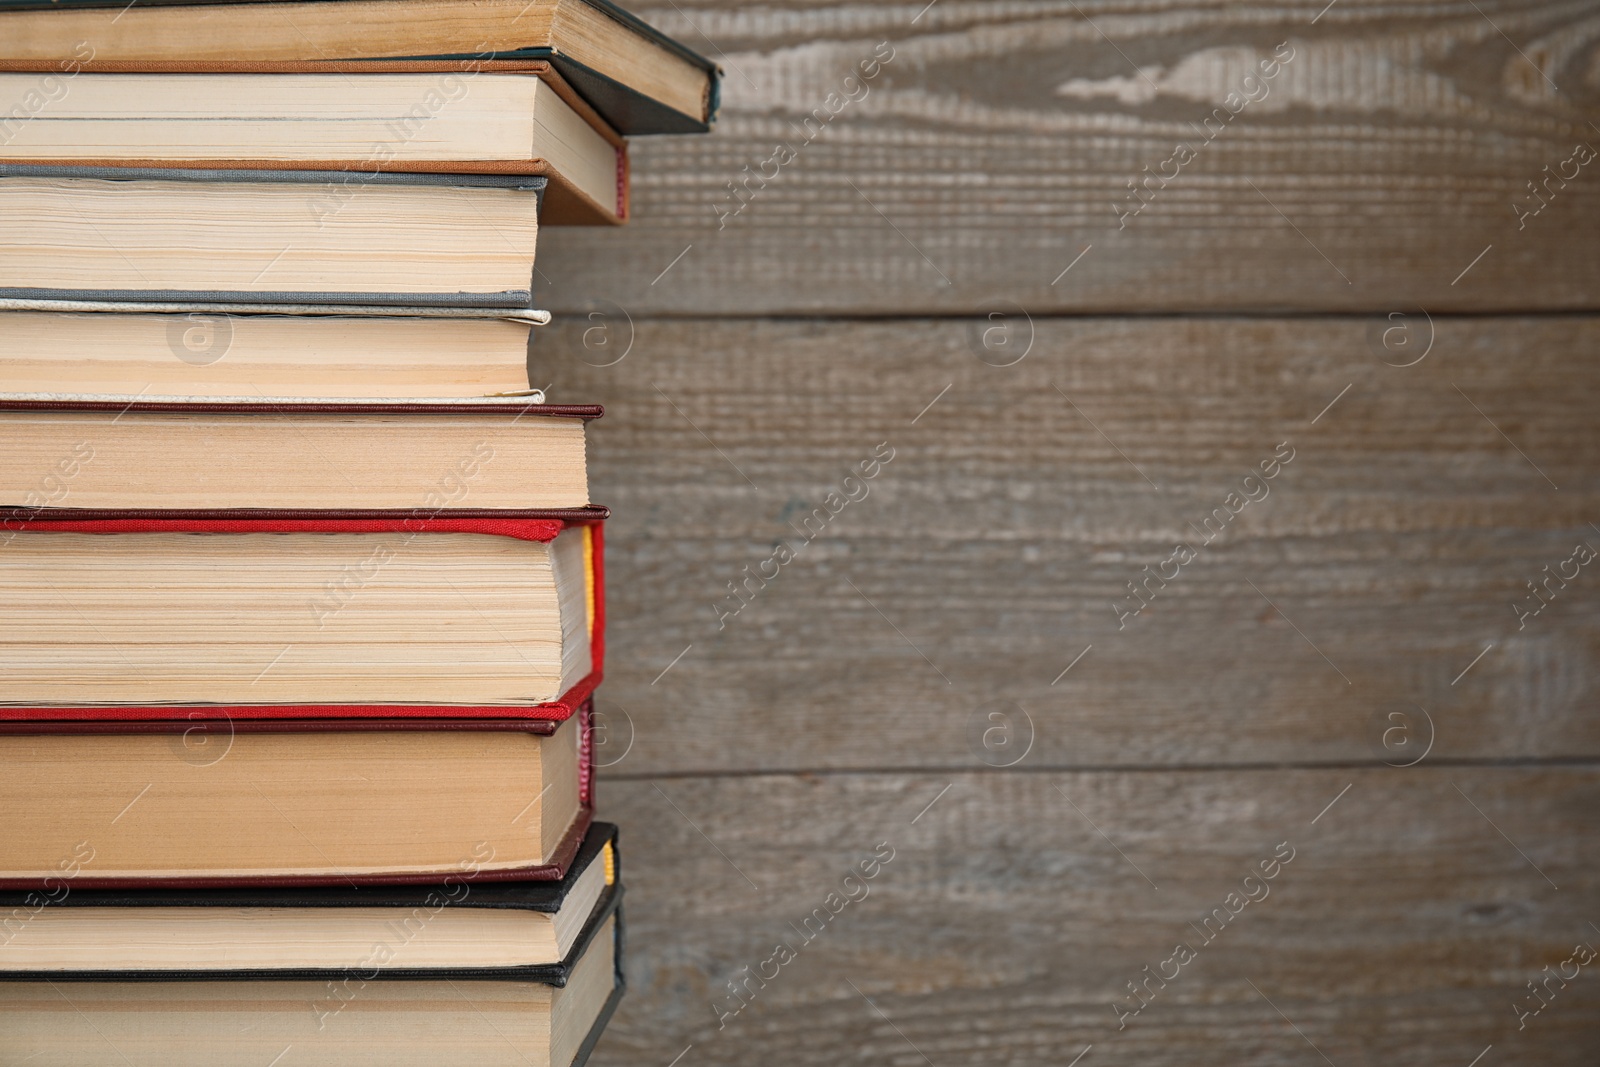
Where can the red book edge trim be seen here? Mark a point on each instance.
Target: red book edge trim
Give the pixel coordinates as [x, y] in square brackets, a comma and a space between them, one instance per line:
[542, 530]
[203, 725]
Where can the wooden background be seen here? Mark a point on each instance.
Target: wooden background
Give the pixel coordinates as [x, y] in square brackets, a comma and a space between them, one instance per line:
[904, 281]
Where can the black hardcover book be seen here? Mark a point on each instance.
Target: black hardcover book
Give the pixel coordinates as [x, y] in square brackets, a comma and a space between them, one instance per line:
[688, 107]
[530, 931]
[382, 1013]
[358, 1021]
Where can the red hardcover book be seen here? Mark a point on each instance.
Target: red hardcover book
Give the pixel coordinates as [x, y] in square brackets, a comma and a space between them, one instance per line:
[145, 739]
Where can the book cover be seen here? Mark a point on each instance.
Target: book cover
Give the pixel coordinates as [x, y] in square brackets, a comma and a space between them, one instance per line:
[555, 1017]
[598, 847]
[201, 733]
[629, 111]
[324, 185]
[541, 526]
[562, 202]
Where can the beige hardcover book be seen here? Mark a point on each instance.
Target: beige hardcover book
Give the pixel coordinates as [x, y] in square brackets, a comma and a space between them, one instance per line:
[416, 455]
[316, 806]
[202, 235]
[523, 120]
[204, 353]
[316, 1023]
[450, 923]
[291, 618]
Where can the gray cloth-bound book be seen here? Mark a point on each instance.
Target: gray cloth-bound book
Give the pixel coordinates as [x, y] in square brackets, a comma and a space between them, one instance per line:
[103, 303]
[348, 178]
[319, 222]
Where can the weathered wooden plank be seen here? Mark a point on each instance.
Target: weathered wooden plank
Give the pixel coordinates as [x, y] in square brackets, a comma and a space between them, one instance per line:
[1000, 140]
[1004, 928]
[990, 552]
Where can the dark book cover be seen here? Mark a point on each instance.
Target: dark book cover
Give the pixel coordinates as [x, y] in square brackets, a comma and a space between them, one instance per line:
[599, 845]
[629, 112]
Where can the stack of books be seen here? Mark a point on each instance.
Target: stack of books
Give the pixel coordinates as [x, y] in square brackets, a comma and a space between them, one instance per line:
[301, 589]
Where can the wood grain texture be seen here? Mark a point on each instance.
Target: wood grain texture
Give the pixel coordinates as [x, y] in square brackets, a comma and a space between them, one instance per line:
[942, 271]
[994, 146]
[1402, 931]
[992, 549]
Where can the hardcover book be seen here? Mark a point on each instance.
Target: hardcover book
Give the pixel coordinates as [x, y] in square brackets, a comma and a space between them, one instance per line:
[418, 117]
[117, 616]
[330, 237]
[639, 79]
[364, 1020]
[112, 352]
[409, 457]
[209, 802]
[466, 929]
